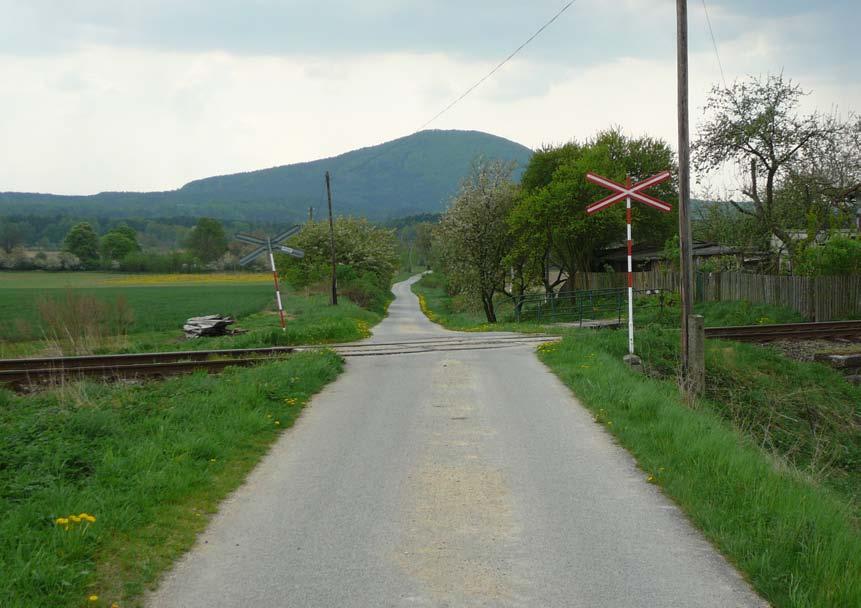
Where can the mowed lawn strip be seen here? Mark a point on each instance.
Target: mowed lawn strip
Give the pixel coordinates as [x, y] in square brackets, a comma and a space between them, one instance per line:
[150, 462]
[785, 514]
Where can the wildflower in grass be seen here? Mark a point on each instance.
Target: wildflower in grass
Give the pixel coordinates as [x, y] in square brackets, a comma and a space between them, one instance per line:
[650, 478]
[61, 521]
[277, 422]
[75, 519]
[93, 598]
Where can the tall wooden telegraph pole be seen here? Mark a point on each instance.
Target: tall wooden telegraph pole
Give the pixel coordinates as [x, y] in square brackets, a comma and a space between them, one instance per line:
[686, 285]
[332, 244]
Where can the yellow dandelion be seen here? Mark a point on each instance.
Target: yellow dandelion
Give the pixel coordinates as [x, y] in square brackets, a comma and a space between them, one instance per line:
[91, 518]
[277, 422]
[93, 598]
[75, 519]
[650, 478]
[61, 521]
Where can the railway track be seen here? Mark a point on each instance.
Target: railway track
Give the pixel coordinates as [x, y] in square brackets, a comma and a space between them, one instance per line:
[18, 373]
[787, 331]
[41, 370]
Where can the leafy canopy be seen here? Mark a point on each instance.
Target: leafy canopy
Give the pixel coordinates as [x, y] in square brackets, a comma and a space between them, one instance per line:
[207, 241]
[550, 216]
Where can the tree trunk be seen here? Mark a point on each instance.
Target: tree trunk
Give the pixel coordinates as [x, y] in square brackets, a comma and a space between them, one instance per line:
[489, 311]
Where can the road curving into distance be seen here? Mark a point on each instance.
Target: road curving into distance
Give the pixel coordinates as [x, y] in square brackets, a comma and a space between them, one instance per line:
[440, 477]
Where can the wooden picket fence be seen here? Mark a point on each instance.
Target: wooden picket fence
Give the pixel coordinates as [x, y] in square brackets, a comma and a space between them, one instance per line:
[816, 298]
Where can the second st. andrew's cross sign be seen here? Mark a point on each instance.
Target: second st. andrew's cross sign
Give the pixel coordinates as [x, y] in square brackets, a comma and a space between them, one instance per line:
[265, 246]
[628, 192]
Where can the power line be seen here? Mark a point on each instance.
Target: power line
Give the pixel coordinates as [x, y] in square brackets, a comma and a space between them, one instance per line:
[714, 43]
[501, 63]
[477, 83]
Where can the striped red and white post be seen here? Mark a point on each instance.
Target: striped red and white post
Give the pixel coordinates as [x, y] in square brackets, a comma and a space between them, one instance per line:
[277, 288]
[630, 244]
[627, 192]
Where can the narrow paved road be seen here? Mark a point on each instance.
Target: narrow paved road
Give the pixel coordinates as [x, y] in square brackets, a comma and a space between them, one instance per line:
[459, 478]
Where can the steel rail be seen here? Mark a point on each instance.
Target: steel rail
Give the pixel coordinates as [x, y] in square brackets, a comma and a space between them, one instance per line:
[787, 331]
[36, 370]
[22, 377]
[127, 359]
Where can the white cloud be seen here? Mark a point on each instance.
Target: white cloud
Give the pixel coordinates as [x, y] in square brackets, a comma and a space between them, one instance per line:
[108, 118]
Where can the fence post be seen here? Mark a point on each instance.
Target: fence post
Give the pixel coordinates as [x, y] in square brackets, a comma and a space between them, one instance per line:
[817, 309]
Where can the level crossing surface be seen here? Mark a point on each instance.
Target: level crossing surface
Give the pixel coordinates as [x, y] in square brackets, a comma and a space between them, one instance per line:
[449, 478]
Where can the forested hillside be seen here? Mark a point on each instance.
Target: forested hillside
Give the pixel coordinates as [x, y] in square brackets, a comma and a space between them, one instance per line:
[413, 174]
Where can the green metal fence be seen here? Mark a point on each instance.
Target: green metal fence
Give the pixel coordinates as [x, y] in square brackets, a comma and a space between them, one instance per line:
[581, 306]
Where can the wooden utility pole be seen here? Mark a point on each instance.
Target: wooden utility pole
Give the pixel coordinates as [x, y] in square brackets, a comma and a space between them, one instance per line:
[686, 263]
[310, 214]
[332, 243]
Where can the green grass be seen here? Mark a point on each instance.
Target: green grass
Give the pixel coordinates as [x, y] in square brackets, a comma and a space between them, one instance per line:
[311, 321]
[768, 464]
[158, 312]
[456, 313]
[459, 314]
[797, 541]
[155, 308]
[150, 462]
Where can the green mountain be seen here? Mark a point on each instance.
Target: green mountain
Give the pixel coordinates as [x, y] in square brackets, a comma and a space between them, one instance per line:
[414, 174]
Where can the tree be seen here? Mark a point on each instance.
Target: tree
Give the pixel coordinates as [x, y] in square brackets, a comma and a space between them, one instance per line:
[207, 240]
[82, 242]
[116, 246]
[11, 235]
[799, 171]
[473, 237]
[362, 246]
[550, 217]
[837, 256]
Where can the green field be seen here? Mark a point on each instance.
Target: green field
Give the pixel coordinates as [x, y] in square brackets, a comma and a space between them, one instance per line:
[146, 312]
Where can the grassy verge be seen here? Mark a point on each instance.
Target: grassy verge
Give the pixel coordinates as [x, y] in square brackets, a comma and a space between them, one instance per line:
[149, 462]
[768, 465]
[797, 541]
[455, 313]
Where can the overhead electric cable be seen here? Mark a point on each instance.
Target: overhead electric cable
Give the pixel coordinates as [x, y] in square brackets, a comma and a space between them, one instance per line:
[478, 83]
[714, 43]
[501, 63]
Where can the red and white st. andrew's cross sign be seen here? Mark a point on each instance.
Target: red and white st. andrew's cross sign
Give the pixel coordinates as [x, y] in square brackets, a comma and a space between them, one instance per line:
[628, 192]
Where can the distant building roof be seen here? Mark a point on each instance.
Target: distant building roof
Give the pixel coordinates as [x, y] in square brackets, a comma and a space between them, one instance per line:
[651, 253]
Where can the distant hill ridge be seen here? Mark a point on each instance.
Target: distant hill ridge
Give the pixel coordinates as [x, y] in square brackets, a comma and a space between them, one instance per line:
[414, 174]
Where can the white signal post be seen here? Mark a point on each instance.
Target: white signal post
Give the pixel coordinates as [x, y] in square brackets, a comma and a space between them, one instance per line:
[277, 288]
[628, 192]
[629, 244]
[266, 247]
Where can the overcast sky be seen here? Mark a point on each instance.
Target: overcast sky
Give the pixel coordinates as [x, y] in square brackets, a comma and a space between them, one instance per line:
[150, 94]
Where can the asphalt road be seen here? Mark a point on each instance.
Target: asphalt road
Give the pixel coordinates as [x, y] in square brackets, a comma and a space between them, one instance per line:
[449, 478]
